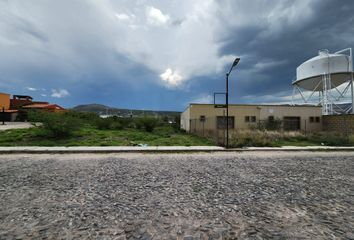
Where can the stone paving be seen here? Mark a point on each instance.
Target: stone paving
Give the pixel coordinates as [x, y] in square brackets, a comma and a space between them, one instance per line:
[263, 195]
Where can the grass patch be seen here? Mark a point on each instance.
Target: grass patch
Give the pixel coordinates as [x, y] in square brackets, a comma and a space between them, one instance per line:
[87, 129]
[91, 136]
[259, 138]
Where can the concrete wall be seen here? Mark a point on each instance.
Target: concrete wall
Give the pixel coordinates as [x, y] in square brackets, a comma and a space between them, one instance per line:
[210, 112]
[304, 112]
[339, 123]
[4, 101]
[185, 117]
[192, 115]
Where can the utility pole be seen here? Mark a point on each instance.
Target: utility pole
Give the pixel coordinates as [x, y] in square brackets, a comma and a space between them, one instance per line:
[227, 109]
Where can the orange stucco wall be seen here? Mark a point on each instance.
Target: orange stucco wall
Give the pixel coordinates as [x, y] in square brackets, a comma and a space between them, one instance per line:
[4, 101]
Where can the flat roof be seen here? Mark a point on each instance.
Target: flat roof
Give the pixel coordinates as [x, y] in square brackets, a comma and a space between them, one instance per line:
[23, 96]
[253, 104]
[43, 105]
[9, 111]
[5, 93]
[38, 105]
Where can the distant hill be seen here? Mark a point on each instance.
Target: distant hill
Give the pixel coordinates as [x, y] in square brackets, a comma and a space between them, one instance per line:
[106, 110]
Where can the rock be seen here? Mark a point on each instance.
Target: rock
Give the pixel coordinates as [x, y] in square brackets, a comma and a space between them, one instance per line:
[121, 237]
[188, 237]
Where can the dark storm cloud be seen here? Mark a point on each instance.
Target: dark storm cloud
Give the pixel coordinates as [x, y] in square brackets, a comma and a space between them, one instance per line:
[164, 54]
[330, 26]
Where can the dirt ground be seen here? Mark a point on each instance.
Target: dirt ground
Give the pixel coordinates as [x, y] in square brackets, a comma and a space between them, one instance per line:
[15, 125]
[259, 195]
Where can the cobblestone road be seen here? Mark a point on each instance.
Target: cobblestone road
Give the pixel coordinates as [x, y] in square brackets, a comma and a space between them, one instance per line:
[299, 195]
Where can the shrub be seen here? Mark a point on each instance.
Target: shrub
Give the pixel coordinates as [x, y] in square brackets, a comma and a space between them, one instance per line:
[255, 138]
[146, 123]
[125, 122]
[57, 125]
[272, 125]
[103, 123]
[108, 124]
[177, 123]
[258, 138]
[85, 117]
[332, 139]
[116, 125]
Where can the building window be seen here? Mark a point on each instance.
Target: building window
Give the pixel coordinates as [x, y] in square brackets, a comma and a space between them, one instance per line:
[315, 119]
[250, 118]
[271, 118]
[221, 122]
[202, 118]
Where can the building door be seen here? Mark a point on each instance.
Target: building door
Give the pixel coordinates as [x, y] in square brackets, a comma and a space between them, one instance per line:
[291, 123]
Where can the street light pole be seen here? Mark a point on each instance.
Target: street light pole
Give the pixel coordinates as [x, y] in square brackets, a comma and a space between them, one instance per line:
[227, 101]
[227, 109]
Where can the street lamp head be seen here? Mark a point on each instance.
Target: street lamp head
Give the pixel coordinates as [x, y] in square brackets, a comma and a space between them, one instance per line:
[235, 62]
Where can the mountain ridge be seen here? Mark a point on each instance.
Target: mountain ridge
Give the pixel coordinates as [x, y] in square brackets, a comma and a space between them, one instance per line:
[102, 109]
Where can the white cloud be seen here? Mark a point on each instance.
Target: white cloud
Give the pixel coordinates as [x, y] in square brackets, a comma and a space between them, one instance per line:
[268, 63]
[129, 32]
[31, 89]
[59, 93]
[172, 78]
[122, 16]
[43, 95]
[156, 17]
[123, 30]
[203, 99]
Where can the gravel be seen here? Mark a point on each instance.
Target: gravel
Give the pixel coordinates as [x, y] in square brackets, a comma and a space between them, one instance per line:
[264, 195]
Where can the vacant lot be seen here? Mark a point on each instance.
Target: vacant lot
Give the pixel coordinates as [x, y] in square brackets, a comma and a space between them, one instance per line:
[180, 196]
[89, 136]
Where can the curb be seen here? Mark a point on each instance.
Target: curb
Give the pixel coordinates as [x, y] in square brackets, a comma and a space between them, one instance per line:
[63, 150]
[164, 149]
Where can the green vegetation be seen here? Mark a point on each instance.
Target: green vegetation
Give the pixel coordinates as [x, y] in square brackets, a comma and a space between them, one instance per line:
[87, 129]
[55, 125]
[259, 138]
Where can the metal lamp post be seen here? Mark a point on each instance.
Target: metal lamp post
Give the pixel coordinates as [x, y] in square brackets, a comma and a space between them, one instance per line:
[227, 100]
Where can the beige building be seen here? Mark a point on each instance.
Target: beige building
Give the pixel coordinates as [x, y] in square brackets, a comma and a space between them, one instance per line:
[204, 118]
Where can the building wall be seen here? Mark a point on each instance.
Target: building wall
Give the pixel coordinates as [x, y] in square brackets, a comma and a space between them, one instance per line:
[4, 101]
[339, 123]
[185, 117]
[210, 112]
[191, 117]
[304, 112]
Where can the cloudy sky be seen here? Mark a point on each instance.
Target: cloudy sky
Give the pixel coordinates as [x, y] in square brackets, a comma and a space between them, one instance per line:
[163, 54]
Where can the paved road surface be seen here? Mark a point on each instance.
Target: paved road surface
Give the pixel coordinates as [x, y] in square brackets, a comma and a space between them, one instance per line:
[302, 195]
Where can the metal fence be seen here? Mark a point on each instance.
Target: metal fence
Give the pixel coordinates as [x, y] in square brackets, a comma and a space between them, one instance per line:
[214, 128]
